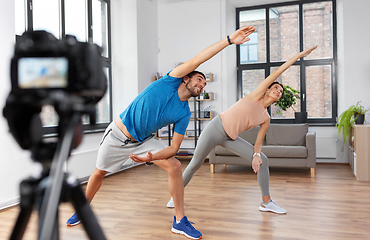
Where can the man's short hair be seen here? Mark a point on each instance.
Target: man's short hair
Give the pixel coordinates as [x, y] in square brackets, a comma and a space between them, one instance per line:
[193, 73]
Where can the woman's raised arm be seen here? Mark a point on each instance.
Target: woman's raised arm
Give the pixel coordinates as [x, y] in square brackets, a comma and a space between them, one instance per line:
[261, 89]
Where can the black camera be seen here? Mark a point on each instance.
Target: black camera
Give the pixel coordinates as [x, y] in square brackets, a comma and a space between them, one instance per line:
[66, 74]
[42, 63]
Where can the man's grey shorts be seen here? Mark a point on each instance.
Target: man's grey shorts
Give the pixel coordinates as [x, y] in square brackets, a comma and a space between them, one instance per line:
[115, 148]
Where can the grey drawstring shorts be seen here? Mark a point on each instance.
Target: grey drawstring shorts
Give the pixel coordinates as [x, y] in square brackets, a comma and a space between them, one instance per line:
[115, 148]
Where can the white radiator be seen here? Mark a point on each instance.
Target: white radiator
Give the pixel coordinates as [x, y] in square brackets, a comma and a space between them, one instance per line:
[326, 147]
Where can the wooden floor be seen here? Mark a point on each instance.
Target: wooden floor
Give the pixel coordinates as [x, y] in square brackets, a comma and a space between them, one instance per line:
[224, 205]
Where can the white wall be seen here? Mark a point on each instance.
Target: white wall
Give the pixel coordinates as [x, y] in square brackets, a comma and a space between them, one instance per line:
[147, 42]
[134, 44]
[124, 53]
[15, 164]
[353, 53]
[229, 94]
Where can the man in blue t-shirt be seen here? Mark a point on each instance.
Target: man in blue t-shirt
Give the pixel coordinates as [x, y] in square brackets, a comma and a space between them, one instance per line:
[163, 102]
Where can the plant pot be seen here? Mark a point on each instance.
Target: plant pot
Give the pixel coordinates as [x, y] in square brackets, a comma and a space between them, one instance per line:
[360, 118]
[300, 117]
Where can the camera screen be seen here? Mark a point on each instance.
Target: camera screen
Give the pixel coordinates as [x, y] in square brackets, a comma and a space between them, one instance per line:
[43, 72]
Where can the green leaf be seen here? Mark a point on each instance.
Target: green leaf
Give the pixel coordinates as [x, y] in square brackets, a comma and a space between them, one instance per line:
[288, 99]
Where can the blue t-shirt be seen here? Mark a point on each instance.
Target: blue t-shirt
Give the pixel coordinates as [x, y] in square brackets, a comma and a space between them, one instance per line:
[157, 106]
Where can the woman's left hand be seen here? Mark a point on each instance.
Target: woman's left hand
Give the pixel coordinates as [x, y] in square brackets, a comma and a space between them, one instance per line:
[256, 163]
[305, 53]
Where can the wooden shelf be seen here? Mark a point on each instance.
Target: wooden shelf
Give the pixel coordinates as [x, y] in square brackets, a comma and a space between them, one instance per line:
[211, 116]
[209, 77]
[211, 98]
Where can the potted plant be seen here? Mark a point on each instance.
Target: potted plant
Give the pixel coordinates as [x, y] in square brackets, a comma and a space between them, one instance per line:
[205, 94]
[288, 100]
[359, 113]
[348, 118]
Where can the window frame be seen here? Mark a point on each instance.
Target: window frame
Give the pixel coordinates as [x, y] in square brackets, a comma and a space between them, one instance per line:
[302, 62]
[247, 45]
[107, 61]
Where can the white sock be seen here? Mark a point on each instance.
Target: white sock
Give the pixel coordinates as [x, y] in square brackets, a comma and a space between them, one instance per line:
[177, 222]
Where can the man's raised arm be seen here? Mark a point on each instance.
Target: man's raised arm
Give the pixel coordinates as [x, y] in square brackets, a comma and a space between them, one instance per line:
[240, 36]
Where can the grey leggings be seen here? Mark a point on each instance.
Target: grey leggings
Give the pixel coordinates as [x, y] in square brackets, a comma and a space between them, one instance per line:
[213, 135]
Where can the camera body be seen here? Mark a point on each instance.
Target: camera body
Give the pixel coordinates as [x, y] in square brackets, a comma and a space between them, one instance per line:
[67, 74]
[42, 63]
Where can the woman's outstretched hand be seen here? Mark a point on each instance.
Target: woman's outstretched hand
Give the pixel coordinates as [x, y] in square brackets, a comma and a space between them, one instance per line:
[240, 36]
[307, 52]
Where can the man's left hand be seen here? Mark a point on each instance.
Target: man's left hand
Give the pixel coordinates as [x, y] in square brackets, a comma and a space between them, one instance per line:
[147, 158]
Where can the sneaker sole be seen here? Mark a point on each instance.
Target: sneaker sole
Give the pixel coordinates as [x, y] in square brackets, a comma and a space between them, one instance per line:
[269, 210]
[73, 224]
[174, 230]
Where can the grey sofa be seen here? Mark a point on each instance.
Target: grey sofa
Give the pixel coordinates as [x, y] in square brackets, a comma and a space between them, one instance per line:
[285, 145]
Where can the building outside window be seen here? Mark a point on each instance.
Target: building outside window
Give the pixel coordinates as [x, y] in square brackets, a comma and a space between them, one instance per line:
[87, 20]
[249, 50]
[283, 30]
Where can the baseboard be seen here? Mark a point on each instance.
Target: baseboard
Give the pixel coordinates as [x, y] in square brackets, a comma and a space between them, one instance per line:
[9, 203]
[330, 160]
[13, 202]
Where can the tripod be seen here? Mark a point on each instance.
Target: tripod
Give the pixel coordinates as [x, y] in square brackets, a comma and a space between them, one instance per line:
[49, 190]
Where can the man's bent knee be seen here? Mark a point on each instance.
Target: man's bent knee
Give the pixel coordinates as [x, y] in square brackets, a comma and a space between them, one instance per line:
[171, 165]
[99, 173]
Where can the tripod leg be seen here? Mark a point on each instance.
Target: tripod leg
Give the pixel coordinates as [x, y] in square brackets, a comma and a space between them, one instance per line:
[21, 224]
[83, 209]
[27, 195]
[55, 230]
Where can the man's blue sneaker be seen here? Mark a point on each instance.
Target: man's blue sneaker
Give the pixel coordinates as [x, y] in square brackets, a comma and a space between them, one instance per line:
[73, 221]
[184, 227]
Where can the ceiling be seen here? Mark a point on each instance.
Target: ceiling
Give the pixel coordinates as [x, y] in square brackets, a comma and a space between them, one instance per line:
[237, 3]
[248, 3]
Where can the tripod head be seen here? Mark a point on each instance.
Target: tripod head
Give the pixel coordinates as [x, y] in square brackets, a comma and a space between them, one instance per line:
[23, 115]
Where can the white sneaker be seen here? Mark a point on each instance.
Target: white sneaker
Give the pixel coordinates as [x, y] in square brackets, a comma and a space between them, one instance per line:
[170, 203]
[271, 207]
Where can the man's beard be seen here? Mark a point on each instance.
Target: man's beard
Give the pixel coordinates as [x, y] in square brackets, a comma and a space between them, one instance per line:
[193, 91]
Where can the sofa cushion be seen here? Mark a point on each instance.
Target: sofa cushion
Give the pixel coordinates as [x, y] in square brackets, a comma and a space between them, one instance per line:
[250, 135]
[271, 151]
[287, 134]
[221, 151]
[285, 151]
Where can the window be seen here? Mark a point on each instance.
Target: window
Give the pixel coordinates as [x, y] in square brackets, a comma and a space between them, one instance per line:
[283, 30]
[87, 20]
[255, 49]
[249, 50]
